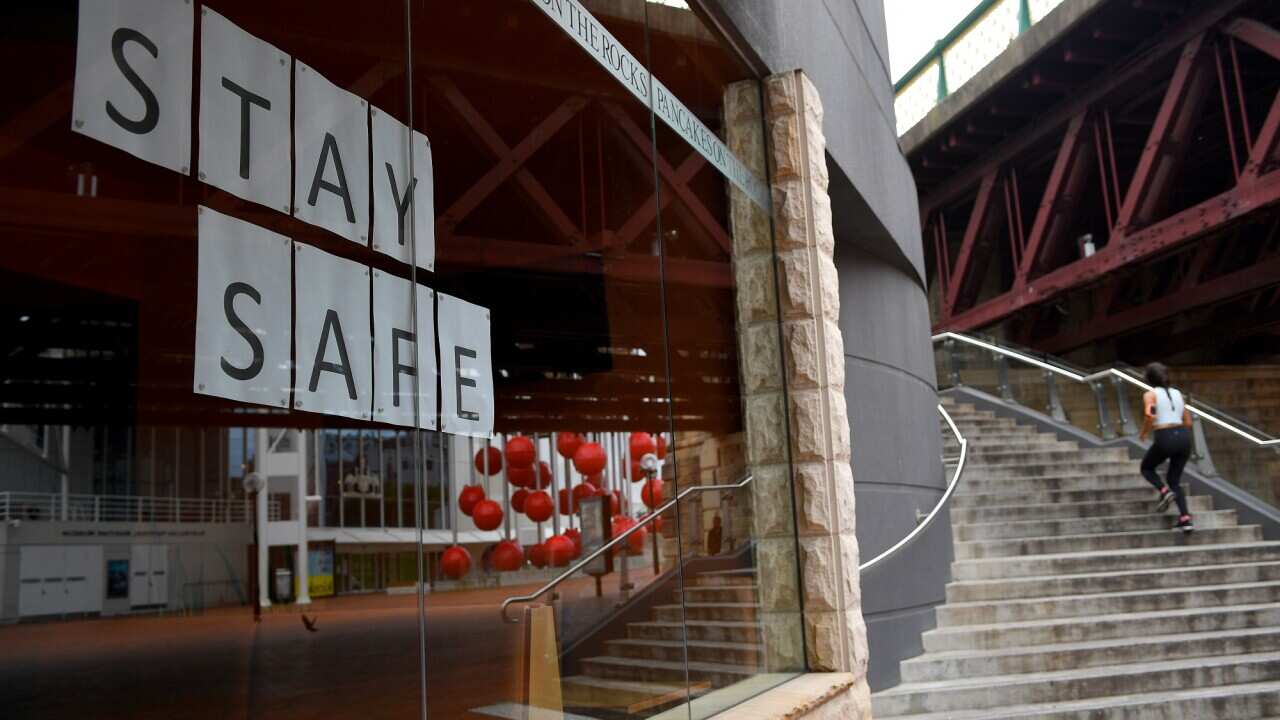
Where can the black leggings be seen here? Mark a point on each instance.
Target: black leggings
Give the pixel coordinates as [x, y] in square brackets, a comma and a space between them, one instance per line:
[1172, 444]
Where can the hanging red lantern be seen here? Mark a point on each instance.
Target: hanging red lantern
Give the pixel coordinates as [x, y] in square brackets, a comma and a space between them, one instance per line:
[657, 524]
[642, 444]
[487, 515]
[559, 550]
[615, 503]
[508, 556]
[575, 535]
[544, 475]
[468, 498]
[455, 562]
[582, 491]
[567, 505]
[637, 472]
[538, 555]
[662, 446]
[651, 493]
[522, 477]
[517, 500]
[589, 459]
[567, 444]
[495, 461]
[635, 541]
[538, 506]
[520, 452]
[597, 480]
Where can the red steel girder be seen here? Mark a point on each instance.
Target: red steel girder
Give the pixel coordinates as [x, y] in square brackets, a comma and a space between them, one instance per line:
[1266, 150]
[1204, 218]
[1259, 35]
[1061, 195]
[1167, 142]
[977, 232]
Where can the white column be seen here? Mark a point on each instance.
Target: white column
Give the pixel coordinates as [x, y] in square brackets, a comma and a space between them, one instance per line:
[260, 455]
[300, 506]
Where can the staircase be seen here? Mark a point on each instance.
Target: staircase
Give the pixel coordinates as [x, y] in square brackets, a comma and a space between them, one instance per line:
[646, 670]
[1071, 598]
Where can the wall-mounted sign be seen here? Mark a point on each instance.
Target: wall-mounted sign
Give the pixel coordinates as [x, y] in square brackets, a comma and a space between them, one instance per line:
[331, 152]
[403, 209]
[333, 338]
[466, 368]
[404, 352]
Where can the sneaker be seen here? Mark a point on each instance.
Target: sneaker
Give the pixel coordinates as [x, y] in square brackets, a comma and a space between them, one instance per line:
[1166, 498]
[1185, 524]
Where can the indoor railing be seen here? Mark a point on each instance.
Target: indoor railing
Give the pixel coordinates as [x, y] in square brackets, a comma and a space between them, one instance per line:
[1108, 404]
[47, 507]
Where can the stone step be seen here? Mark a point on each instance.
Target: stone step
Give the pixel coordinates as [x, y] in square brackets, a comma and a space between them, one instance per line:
[1233, 702]
[1100, 627]
[1006, 457]
[582, 692]
[1099, 483]
[664, 671]
[1148, 520]
[1115, 560]
[1066, 656]
[725, 593]
[1105, 506]
[1122, 581]
[983, 443]
[984, 450]
[744, 654]
[1024, 547]
[703, 631]
[1132, 493]
[1078, 684]
[990, 612]
[1085, 467]
[706, 611]
[745, 576]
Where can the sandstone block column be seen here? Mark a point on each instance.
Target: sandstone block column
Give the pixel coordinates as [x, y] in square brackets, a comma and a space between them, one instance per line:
[792, 374]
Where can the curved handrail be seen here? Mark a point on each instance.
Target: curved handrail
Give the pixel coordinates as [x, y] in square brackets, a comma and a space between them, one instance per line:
[1102, 375]
[614, 541]
[928, 520]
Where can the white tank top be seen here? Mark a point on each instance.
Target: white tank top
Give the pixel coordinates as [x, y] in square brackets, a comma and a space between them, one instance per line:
[1169, 406]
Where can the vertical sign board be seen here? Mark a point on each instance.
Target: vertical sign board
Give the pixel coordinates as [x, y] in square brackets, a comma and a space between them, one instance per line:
[404, 355]
[244, 113]
[133, 78]
[243, 304]
[331, 156]
[404, 217]
[594, 513]
[466, 368]
[333, 336]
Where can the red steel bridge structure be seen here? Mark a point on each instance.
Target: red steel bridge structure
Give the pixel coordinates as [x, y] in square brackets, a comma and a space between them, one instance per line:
[1112, 188]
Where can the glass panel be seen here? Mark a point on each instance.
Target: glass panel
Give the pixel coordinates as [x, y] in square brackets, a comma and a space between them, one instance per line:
[127, 508]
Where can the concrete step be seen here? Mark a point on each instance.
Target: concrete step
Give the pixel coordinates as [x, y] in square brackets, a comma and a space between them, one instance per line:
[1132, 493]
[1100, 627]
[1096, 682]
[1026, 470]
[1115, 560]
[745, 576]
[1094, 653]
[1001, 456]
[583, 692]
[706, 611]
[744, 654]
[1149, 520]
[1024, 547]
[990, 612]
[985, 451]
[727, 593]
[1233, 702]
[985, 443]
[1122, 581]
[663, 671]
[697, 630]
[1063, 511]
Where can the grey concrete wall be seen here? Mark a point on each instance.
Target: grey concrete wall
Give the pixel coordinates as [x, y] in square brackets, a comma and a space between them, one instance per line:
[890, 386]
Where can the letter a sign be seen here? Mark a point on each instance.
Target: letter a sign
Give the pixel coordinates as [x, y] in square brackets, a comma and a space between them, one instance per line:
[133, 78]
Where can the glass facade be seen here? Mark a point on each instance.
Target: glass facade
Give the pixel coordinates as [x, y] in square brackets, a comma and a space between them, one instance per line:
[331, 327]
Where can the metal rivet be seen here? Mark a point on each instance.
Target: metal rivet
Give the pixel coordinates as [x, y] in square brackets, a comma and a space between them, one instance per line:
[285, 208]
[364, 238]
[201, 176]
[79, 123]
[183, 170]
[200, 387]
[283, 61]
[297, 403]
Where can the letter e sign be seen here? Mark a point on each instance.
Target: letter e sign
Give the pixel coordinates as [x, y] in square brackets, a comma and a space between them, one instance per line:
[466, 367]
[133, 78]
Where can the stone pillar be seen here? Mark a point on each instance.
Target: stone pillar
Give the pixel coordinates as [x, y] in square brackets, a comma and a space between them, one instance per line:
[792, 370]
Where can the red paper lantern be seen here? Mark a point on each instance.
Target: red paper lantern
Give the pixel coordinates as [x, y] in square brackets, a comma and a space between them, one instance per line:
[520, 452]
[651, 493]
[567, 444]
[522, 477]
[495, 461]
[662, 446]
[468, 498]
[487, 515]
[615, 503]
[508, 556]
[637, 472]
[596, 479]
[642, 444]
[544, 475]
[567, 505]
[575, 535]
[635, 541]
[538, 555]
[559, 550]
[455, 562]
[538, 506]
[582, 491]
[590, 459]
[517, 500]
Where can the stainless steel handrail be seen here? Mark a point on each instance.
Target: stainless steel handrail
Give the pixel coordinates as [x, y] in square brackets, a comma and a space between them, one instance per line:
[1100, 375]
[937, 508]
[616, 539]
